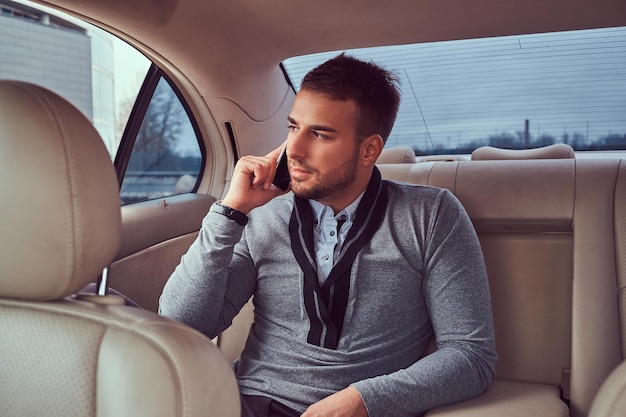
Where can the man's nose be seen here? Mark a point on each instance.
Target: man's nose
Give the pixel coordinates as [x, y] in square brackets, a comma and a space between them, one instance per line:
[296, 146]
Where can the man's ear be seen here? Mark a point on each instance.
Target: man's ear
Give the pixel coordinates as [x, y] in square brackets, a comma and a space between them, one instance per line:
[371, 147]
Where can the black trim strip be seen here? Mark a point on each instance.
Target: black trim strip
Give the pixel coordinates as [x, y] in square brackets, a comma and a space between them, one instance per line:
[326, 305]
[233, 141]
[135, 119]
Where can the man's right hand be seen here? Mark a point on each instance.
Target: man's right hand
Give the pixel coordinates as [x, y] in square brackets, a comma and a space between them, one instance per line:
[251, 185]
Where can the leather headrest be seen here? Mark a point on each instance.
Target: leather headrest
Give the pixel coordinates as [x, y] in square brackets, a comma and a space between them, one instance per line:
[397, 155]
[60, 220]
[555, 151]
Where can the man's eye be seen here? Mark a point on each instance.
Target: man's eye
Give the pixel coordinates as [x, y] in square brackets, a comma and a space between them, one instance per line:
[292, 128]
[319, 135]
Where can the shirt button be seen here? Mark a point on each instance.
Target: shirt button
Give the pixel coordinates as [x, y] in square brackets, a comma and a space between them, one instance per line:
[325, 257]
[332, 233]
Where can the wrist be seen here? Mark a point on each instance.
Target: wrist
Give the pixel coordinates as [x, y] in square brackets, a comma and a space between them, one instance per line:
[220, 208]
[226, 202]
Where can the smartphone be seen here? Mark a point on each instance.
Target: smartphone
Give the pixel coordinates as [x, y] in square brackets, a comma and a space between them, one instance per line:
[282, 179]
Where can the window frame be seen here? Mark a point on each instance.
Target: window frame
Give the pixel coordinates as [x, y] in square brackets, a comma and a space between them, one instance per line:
[135, 120]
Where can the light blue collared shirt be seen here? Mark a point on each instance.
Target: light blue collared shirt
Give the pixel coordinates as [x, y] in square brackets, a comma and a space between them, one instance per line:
[327, 242]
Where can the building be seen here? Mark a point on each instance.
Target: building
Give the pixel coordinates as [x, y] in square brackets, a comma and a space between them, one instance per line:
[72, 60]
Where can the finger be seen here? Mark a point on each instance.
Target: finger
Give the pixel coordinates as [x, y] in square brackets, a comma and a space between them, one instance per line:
[261, 170]
[261, 175]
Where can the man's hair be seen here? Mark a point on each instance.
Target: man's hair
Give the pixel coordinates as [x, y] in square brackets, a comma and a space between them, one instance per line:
[374, 90]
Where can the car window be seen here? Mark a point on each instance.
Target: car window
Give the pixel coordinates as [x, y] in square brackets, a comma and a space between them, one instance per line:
[512, 92]
[166, 155]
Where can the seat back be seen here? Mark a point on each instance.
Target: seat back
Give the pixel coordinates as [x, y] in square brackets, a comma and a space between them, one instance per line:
[72, 355]
[552, 233]
[611, 401]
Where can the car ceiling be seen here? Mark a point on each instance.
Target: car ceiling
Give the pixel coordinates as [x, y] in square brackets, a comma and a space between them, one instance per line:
[226, 37]
[231, 49]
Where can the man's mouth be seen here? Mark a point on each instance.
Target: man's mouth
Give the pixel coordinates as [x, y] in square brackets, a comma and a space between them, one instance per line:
[298, 172]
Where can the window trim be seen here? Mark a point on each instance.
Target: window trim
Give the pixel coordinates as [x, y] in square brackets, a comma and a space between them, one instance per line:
[137, 115]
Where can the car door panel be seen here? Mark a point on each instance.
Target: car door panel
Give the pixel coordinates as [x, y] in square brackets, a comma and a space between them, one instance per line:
[155, 234]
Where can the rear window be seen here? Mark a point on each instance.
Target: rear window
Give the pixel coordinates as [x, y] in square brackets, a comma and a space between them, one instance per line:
[514, 92]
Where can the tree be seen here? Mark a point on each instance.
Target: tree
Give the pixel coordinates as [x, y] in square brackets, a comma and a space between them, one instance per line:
[613, 141]
[543, 140]
[506, 141]
[162, 123]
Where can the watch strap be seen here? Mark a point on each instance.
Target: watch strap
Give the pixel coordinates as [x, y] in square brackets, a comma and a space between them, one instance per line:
[231, 213]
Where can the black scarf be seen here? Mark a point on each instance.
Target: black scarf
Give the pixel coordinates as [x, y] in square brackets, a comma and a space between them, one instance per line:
[326, 304]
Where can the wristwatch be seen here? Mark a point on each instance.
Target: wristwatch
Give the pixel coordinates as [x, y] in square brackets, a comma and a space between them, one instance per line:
[231, 213]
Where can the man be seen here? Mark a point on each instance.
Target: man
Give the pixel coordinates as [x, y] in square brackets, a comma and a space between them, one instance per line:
[351, 275]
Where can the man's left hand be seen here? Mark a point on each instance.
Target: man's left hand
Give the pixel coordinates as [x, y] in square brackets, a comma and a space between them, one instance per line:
[345, 403]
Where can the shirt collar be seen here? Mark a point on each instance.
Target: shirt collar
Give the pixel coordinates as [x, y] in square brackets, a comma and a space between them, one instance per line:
[320, 210]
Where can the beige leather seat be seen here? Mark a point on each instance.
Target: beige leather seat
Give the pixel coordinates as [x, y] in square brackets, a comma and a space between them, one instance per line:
[555, 151]
[397, 155]
[553, 234]
[63, 355]
[611, 399]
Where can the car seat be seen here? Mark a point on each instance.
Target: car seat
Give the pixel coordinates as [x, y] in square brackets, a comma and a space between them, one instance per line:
[63, 354]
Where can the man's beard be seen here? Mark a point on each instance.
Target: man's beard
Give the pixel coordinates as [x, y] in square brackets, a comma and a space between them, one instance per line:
[331, 182]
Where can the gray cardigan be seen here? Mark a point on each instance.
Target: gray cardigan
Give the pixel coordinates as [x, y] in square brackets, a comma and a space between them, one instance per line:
[421, 274]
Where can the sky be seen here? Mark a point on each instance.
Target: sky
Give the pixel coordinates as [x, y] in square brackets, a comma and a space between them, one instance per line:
[130, 68]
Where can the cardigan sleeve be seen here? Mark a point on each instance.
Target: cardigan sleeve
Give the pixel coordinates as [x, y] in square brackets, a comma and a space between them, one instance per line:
[457, 296]
[214, 279]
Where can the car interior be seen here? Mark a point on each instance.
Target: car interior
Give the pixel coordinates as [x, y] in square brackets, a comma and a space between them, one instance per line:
[551, 220]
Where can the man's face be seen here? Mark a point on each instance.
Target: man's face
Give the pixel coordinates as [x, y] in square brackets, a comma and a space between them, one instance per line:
[322, 149]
